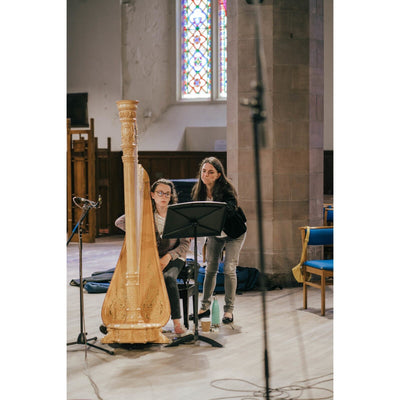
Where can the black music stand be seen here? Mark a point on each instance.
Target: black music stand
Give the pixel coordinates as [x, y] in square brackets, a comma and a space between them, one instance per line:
[82, 338]
[194, 219]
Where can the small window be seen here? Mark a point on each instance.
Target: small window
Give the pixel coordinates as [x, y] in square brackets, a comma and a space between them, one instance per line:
[202, 50]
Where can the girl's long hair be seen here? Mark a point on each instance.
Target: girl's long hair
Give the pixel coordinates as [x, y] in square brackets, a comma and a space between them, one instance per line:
[174, 197]
[222, 184]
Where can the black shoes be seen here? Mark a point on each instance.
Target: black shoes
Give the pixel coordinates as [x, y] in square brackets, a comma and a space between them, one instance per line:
[103, 329]
[204, 314]
[227, 320]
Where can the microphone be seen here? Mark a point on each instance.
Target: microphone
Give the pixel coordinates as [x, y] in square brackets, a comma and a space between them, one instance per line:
[90, 203]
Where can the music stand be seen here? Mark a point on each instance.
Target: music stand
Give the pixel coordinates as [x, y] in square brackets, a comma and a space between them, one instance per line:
[194, 219]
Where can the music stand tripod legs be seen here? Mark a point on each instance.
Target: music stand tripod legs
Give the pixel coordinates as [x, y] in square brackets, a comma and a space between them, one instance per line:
[194, 337]
[82, 339]
[194, 219]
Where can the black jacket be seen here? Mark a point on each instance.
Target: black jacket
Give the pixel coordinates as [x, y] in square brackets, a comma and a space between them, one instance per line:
[235, 220]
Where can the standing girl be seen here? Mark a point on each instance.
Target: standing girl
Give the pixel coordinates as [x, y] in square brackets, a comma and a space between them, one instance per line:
[213, 185]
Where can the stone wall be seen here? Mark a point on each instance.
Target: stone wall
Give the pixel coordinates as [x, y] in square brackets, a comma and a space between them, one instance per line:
[291, 164]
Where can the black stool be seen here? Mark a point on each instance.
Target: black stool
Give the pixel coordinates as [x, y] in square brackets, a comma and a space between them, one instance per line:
[186, 289]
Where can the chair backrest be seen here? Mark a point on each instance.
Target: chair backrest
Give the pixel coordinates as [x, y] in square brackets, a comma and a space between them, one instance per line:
[320, 236]
[328, 214]
[187, 272]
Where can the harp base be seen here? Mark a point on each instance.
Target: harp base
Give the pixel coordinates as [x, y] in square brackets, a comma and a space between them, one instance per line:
[135, 333]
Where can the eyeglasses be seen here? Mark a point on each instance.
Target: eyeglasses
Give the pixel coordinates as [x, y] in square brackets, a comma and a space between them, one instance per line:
[161, 194]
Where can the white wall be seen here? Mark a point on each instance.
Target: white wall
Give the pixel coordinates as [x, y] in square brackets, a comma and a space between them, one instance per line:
[210, 138]
[148, 57]
[94, 62]
[168, 133]
[126, 50]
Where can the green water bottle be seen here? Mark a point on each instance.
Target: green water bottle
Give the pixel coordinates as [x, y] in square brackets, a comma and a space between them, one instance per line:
[215, 312]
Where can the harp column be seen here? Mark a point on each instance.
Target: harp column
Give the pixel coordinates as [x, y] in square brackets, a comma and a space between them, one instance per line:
[127, 116]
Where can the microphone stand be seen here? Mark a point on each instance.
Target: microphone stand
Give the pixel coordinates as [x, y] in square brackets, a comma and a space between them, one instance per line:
[258, 118]
[82, 339]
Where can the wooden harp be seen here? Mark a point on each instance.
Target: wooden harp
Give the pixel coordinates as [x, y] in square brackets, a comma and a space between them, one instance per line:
[136, 305]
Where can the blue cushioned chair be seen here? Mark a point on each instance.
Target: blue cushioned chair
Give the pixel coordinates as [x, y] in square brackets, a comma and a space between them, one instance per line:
[328, 215]
[316, 236]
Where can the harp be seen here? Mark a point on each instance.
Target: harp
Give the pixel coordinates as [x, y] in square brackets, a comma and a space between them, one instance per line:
[136, 305]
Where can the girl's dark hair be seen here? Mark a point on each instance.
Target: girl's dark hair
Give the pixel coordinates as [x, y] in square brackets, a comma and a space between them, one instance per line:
[222, 184]
[174, 197]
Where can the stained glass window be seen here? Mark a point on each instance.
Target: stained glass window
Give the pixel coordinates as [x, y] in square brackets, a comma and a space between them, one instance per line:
[222, 53]
[198, 62]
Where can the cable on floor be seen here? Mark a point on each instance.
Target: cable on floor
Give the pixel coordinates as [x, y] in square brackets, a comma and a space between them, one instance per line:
[290, 392]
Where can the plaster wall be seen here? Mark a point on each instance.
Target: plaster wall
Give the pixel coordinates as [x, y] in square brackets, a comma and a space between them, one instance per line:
[178, 123]
[94, 62]
[126, 50]
[148, 57]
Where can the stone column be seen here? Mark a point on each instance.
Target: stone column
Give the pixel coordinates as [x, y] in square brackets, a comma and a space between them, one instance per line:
[292, 162]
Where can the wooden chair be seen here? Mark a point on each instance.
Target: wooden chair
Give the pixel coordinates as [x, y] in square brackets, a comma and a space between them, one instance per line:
[316, 236]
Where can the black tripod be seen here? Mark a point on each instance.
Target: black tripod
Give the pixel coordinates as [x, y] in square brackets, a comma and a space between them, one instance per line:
[82, 339]
[194, 219]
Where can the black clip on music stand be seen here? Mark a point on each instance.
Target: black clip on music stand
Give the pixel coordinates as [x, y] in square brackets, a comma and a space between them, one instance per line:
[194, 219]
[82, 339]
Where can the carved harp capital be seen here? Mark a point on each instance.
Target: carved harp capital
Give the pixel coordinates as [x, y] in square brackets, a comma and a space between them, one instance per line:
[127, 115]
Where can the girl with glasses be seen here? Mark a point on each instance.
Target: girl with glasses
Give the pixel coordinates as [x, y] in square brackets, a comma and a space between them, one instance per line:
[172, 252]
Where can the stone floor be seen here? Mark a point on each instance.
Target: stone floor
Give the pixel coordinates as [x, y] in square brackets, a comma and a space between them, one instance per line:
[296, 346]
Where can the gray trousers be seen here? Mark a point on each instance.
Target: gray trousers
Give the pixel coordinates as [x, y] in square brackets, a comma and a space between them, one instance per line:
[215, 246]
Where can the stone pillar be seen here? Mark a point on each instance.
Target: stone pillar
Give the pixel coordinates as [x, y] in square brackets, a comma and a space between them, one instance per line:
[292, 162]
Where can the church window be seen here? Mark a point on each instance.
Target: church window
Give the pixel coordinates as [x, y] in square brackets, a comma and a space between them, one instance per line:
[203, 50]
